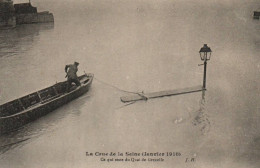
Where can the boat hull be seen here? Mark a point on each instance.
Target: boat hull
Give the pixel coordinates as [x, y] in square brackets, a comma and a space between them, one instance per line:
[14, 121]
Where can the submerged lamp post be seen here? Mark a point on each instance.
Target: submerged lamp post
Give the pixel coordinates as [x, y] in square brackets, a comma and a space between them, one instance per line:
[204, 56]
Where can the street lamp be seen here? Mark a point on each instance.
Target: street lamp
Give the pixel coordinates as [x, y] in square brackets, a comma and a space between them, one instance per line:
[204, 56]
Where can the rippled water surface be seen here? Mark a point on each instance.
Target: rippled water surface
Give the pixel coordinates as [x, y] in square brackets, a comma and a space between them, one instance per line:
[138, 46]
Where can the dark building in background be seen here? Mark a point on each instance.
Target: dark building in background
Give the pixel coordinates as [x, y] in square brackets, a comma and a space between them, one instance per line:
[24, 8]
[256, 15]
[23, 13]
[7, 14]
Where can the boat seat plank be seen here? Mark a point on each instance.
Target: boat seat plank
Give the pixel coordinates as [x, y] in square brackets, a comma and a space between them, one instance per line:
[30, 100]
[47, 93]
[60, 87]
[51, 98]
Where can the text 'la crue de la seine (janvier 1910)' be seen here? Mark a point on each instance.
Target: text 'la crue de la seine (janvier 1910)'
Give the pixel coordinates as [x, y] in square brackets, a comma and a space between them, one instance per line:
[132, 156]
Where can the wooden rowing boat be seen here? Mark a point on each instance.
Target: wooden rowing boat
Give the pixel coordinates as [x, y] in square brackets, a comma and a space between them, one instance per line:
[23, 110]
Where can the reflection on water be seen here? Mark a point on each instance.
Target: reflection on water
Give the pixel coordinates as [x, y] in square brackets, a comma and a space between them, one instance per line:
[21, 39]
[202, 119]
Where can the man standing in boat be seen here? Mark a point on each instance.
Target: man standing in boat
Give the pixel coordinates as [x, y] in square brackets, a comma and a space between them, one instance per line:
[71, 71]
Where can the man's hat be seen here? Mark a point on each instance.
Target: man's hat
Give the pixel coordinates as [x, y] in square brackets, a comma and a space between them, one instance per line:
[76, 63]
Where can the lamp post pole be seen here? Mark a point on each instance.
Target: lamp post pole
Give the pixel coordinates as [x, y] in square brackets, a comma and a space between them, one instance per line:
[205, 73]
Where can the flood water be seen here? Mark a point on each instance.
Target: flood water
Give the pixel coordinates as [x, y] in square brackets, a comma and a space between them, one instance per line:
[138, 45]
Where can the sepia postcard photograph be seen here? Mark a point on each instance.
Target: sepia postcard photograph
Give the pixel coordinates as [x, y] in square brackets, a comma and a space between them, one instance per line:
[129, 83]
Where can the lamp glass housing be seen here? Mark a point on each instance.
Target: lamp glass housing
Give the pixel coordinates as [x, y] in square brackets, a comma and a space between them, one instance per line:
[204, 56]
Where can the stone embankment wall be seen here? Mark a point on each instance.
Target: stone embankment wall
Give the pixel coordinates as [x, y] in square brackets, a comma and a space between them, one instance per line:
[41, 17]
[256, 15]
[26, 14]
[7, 14]
[23, 13]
